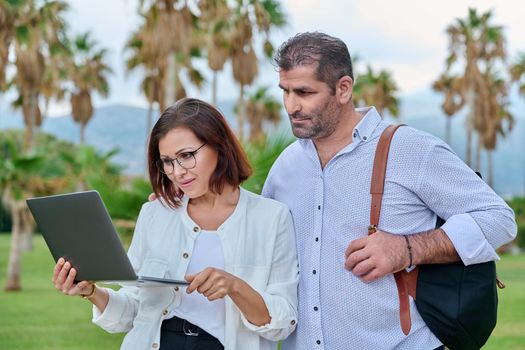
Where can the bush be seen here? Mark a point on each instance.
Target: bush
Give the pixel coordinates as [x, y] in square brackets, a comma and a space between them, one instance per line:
[518, 205]
[123, 200]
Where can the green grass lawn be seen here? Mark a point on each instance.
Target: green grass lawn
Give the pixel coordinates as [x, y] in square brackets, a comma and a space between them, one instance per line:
[41, 318]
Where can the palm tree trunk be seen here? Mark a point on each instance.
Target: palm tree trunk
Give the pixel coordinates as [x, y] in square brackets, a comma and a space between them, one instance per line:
[171, 81]
[478, 154]
[448, 128]
[30, 120]
[469, 146]
[470, 123]
[149, 122]
[13, 265]
[241, 115]
[82, 133]
[27, 229]
[490, 165]
[214, 88]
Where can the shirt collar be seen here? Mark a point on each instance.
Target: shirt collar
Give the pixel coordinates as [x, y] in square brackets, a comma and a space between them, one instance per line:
[366, 126]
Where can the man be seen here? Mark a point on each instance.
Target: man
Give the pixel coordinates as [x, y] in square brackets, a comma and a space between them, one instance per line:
[347, 295]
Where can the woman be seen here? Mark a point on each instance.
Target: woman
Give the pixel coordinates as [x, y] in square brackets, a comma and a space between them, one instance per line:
[236, 248]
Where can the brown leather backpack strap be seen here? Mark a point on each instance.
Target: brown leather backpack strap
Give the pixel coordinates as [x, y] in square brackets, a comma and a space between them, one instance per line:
[376, 190]
[378, 175]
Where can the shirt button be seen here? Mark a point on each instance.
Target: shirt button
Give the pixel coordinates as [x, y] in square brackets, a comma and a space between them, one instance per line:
[185, 255]
[354, 135]
[318, 342]
[154, 345]
[319, 207]
[176, 288]
[364, 138]
[317, 239]
[316, 308]
[196, 229]
[292, 322]
[314, 272]
[165, 312]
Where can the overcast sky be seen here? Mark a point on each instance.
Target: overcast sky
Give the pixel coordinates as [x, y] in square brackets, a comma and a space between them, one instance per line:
[406, 37]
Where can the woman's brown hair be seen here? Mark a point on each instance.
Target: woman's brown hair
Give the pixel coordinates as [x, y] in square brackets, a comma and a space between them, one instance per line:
[210, 127]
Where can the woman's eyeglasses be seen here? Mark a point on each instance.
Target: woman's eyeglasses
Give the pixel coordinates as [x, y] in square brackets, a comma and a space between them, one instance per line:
[186, 160]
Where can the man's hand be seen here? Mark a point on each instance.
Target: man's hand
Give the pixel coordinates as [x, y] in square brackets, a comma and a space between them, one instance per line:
[377, 255]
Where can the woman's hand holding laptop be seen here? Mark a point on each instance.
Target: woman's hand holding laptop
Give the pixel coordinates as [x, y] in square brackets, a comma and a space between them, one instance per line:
[64, 280]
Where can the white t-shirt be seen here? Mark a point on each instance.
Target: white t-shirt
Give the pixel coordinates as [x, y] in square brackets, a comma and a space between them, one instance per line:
[195, 307]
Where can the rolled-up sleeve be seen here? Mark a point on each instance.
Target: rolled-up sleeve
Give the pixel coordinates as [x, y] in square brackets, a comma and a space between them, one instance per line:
[478, 221]
[122, 306]
[120, 310]
[280, 295]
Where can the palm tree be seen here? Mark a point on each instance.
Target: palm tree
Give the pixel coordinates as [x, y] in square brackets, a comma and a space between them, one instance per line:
[214, 23]
[262, 15]
[23, 176]
[261, 108]
[452, 87]
[377, 90]
[517, 72]
[480, 44]
[8, 15]
[169, 34]
[87, 167]
[497, 119]
[144, 55]
[39, 32]
[88, 72]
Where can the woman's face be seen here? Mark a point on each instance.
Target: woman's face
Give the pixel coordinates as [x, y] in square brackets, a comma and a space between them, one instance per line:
[180, 143]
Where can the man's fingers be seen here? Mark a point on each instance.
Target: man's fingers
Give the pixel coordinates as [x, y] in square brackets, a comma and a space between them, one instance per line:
[355, 245]
[372, 275]
[356, 257]
[363, 267]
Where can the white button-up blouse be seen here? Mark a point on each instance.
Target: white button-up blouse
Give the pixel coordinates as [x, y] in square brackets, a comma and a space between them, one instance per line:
[259, 247]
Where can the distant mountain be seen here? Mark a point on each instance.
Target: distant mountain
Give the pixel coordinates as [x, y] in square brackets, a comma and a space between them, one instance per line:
[124, 127]
[115, 126]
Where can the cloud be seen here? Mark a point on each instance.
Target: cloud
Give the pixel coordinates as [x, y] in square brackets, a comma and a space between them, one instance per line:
[405, 37]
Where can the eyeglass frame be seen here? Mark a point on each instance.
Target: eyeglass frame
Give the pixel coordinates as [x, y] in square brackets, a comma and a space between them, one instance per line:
[160, 162]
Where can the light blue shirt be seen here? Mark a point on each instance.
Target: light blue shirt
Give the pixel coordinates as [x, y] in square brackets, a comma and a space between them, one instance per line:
[331, 208]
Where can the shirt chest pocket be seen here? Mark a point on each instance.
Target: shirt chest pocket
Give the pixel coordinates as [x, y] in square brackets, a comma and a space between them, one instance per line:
[154, 298]
[152, 267]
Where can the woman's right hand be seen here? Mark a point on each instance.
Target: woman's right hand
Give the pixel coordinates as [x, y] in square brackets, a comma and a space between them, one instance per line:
[64, 280]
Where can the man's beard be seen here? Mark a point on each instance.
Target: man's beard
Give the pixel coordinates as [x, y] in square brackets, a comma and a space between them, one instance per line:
[323, 122]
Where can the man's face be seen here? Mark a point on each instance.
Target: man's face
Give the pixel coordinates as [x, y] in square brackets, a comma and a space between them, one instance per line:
[312, 108]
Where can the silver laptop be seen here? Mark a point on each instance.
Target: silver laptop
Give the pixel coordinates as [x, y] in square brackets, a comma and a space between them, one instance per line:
[77, 226]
